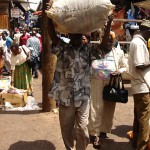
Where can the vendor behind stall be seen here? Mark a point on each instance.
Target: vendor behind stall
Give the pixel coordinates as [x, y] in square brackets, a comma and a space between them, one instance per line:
[20, 71]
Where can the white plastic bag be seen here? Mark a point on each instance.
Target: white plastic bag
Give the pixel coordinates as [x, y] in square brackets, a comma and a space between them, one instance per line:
[79, 16]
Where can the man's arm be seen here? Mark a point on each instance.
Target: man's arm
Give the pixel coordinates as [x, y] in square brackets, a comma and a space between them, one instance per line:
[105, 38]
[52, 33]
[12, 77]
[144, 66]
[51, 29]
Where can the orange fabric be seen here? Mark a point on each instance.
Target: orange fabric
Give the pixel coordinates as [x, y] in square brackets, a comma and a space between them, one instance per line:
[130, 133]
[117, 26]
[37, 13]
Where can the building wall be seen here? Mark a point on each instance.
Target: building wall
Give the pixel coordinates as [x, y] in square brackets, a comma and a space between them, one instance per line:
[4, 15]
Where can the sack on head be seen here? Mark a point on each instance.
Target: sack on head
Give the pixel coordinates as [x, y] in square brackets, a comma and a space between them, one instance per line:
[79, 16]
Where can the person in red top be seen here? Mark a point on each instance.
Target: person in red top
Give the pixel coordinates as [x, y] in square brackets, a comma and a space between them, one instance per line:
[23, 38]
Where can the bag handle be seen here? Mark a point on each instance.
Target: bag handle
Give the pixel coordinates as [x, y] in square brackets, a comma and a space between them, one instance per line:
[119, 78]
[24, 51]
[112, 81]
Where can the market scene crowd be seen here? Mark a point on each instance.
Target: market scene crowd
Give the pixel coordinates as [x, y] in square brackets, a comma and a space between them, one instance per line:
[92, 65]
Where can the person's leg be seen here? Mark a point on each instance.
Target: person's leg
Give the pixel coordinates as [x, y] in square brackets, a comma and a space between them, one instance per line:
[36, 68]
[67, 120]
[142, 106]
[135, 129]
[96, 107]
[96, 111]
[82, 136]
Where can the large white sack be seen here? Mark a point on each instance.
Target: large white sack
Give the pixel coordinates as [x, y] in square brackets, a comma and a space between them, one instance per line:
[79, 16]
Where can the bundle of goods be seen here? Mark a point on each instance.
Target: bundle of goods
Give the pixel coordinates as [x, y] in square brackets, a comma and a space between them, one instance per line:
[102, 68]
[79, 16]
[16, 97]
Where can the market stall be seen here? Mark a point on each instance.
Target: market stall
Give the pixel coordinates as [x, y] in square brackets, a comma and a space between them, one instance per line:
[15, 99]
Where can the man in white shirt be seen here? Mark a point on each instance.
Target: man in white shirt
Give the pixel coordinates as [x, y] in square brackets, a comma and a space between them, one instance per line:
[139, 68]
[17, 36]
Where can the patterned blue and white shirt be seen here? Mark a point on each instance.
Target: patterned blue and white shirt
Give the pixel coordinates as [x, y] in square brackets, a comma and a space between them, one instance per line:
[33, 43]
[72, 75]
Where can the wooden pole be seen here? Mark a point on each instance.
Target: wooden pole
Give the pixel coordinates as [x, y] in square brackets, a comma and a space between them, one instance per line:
[48, 64]
[127, 20]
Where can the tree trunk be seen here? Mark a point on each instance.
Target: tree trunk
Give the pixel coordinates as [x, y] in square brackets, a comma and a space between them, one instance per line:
[48, 64]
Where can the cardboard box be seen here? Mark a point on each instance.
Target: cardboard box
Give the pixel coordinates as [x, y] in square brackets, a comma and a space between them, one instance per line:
[17, 100]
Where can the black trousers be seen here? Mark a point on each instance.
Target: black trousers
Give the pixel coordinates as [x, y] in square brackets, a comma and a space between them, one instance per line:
[35, 66]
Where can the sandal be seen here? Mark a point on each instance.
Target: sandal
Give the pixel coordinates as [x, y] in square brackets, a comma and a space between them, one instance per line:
[103, 135]
[92, 137]
[96, 142]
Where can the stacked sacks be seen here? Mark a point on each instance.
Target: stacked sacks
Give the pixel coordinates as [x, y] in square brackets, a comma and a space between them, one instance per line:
[79, 16]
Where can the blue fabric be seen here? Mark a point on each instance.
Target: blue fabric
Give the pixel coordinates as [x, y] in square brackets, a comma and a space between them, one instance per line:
[8, 42]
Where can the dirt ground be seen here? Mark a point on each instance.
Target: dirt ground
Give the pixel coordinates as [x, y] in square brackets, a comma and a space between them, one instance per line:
[41, 131]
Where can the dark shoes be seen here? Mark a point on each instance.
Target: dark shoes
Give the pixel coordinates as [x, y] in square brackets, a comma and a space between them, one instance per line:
[95, 140]
[103, 135]
[97, 143]
[35, 76]
[91, 138]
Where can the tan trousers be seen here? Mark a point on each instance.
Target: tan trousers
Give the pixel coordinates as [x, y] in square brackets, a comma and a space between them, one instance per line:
[74, 119]
[141, 130]
[101, 111]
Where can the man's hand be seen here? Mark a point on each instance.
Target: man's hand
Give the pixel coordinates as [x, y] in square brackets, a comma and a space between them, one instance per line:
[48, 6]
[115, 73]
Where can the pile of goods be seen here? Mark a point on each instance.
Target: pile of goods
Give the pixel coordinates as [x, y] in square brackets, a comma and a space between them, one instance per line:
[16, 97]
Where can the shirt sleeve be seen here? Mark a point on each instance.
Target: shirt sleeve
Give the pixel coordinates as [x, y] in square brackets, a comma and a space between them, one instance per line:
[139, 54]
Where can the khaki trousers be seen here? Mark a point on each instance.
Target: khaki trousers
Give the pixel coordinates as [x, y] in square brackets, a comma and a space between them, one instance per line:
[74, 119]
[101, 111]
[141, 130]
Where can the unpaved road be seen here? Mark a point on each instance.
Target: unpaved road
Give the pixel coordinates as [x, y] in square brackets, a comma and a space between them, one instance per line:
[41, 131]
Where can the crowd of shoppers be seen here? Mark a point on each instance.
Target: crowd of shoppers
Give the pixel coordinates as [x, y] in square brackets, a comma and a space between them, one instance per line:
[77, 87]
[15, 54]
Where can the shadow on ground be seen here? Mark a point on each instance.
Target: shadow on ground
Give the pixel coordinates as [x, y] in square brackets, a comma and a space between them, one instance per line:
[35, 145]
[121, 131]
[110, 144]
[27, 112]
